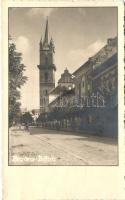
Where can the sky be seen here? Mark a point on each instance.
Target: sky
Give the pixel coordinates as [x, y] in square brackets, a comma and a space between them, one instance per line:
[78, 33]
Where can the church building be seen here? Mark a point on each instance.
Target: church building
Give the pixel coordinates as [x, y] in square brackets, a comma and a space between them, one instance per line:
[46, 70]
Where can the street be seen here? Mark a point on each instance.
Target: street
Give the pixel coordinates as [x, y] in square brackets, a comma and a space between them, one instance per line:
[50, 147]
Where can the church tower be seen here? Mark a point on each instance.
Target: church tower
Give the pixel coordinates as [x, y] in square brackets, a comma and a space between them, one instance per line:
[46, 70]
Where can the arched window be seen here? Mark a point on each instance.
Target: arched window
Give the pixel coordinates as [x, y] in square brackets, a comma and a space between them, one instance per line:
[42, 101]
[83, 84]
[45, 92]
[79, 90]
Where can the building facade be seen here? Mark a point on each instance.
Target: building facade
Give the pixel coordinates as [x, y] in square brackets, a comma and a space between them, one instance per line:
[82, 80]
[66, 79]
[46, 70]
[104, 82]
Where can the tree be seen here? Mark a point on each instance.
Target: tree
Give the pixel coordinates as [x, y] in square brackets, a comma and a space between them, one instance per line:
[16, 80]
[26, 118]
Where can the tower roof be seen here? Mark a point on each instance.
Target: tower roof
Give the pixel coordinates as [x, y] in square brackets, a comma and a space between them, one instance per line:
[46, 33]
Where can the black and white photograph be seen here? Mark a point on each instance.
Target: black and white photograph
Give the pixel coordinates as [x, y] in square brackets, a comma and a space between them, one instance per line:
[63, 86]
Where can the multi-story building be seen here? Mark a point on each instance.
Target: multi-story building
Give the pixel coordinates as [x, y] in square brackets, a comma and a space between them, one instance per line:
[98, 78]
[83, 76]
[104, 80]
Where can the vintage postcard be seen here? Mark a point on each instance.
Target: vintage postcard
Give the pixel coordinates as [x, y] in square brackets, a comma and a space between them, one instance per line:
[63, 87]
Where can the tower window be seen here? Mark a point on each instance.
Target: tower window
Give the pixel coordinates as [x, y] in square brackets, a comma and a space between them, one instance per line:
[46, 76]
[45, 92]
[46, 60]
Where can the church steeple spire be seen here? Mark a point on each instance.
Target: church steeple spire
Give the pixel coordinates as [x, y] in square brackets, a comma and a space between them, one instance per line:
[46, 32]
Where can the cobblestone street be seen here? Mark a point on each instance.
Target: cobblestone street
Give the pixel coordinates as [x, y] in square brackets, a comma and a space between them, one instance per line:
[50, 147]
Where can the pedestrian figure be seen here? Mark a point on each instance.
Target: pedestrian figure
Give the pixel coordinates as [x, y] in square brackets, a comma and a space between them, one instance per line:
[27, 127]
[19, 126]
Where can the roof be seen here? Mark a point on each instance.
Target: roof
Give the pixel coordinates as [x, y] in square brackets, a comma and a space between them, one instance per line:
[107, 64]
[65, 93]
[87, 63]
[111, 42]
[58, 89]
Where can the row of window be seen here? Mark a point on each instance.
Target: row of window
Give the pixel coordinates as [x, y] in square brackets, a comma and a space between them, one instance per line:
[45, 93]
[44, 101]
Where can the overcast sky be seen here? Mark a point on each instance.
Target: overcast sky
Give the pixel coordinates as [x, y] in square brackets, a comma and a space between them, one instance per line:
[78, 33]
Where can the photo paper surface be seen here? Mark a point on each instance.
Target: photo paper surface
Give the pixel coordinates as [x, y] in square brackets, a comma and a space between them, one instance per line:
[63, 78]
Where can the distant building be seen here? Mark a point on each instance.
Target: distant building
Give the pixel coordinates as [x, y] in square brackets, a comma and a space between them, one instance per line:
[46, 70]
[66, 79]
[64, 88]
